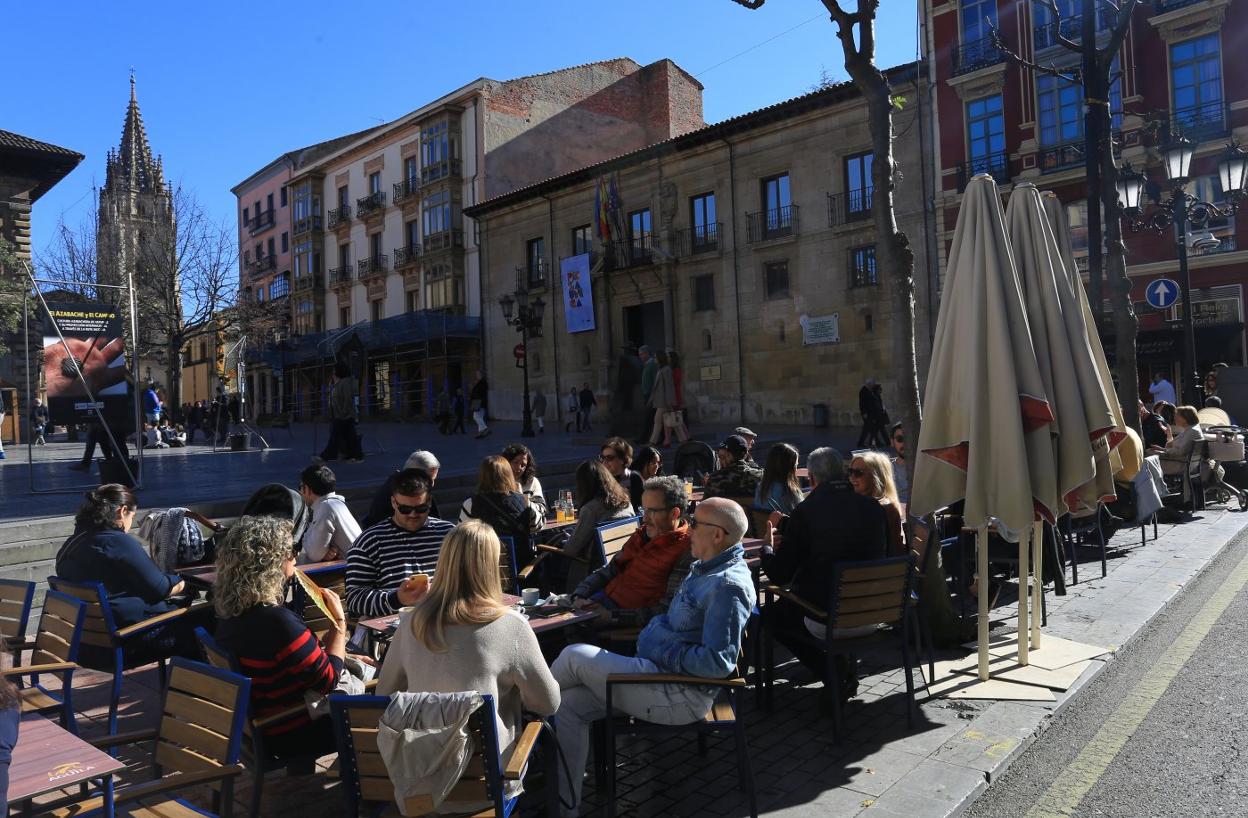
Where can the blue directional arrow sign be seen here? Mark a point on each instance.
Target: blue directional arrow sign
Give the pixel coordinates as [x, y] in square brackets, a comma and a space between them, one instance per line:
[1162, 293]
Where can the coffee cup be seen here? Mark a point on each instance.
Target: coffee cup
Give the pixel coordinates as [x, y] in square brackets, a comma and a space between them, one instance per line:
[529, 596]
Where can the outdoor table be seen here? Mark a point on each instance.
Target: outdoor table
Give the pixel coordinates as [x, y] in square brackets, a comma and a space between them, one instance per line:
[48, 758]
[548, 618]
[203, 577]
[555, 525]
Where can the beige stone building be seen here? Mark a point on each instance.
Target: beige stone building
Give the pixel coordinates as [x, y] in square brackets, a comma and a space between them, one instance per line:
[746, 246]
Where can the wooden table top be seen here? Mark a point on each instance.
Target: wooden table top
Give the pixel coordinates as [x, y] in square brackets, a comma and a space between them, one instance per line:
[48, 757]
[546, 619]
[554, 525]
[205, 576]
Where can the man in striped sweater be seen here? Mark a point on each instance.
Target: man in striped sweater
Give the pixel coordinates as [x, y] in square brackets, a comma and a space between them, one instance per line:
[386, 555]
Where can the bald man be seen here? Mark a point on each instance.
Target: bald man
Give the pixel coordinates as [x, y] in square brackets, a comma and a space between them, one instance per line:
[700, 635]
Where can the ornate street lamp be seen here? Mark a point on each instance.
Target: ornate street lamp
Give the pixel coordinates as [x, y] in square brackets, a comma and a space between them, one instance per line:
[1183, 212]
[526, 317]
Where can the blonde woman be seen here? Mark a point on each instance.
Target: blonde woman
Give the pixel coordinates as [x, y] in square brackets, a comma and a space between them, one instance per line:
[462, 637]
[273, 645]
[871, 475]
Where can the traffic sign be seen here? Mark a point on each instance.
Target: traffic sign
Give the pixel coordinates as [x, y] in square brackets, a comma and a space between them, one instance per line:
[1161, 293]
[518, 352]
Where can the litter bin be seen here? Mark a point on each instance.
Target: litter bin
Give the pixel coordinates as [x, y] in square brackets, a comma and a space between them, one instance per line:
[821, 415]
[238, 442]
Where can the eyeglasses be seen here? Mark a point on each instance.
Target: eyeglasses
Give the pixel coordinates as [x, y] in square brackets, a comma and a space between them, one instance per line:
[607, 458]
[694, 522]
[857, 472]
[408, 511]
[654, 511]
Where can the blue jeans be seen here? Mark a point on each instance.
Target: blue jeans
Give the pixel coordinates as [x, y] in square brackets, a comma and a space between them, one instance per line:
[582, 672]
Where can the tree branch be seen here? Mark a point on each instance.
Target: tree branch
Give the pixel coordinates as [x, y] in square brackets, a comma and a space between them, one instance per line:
[750, 4]
[1056, 14]
[1048, 70]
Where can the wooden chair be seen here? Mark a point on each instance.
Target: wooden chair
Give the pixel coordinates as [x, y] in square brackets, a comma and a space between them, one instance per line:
[612, 536]
[876, 593]
[16, 599]
[333, 577]
[1074, 530]
[56, 653]
[509, 572]
[1187, 489]
[720, 718]
[198, 743]
[100, 630]
[367, 785]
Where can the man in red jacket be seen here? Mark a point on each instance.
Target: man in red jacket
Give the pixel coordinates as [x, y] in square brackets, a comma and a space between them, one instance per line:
[642, 578]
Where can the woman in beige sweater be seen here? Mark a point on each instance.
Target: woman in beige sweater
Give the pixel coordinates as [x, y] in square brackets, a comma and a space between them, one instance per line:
[461, 637]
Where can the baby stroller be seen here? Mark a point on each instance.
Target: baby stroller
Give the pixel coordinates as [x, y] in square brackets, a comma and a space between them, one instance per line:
[1223, 444]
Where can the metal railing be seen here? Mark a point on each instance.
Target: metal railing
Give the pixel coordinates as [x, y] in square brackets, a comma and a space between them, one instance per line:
[262, 221]
[308, 282]
[703, 238]
[372, 266]
[403, 256]
[1170, 5]
[534, 273]
[1211, 120]
[405, 189]
[370, 205]
[772, 224]
[851, 206]
[633, 252]
[441, 170]
[340, 216]
[1071, 27]
[339, 276]
[1061, 157]
[262, 265]
[996, 165]
[442, 240]
[975, 55]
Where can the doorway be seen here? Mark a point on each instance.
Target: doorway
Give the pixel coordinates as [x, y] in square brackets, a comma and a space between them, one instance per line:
[644, 324]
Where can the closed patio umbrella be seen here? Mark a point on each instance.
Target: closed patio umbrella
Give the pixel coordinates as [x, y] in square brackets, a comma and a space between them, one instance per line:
[985, 436]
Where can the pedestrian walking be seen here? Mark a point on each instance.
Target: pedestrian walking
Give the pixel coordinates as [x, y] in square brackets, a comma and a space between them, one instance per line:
[39, 422]
[649, 371]
[538, 407]
[874, 417]
[194, 420]
[459, 412]
[587, 403]
[442, 412]
[479, 404]
[151, 403]
[574, 411]
[667, 417]
[342, 433]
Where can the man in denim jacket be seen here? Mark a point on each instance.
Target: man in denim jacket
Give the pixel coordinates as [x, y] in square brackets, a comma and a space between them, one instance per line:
[700, 635]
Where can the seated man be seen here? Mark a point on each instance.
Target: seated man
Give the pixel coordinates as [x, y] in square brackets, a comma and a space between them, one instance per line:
[385, 556]
[833, 524]
[1154, 429]
[700, 635]
[642, 579]
[333, 529]
[735, 477]
[379, 508]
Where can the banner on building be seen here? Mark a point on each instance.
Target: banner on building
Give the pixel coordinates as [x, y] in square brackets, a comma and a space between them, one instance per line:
[578, 296]
[93, 340]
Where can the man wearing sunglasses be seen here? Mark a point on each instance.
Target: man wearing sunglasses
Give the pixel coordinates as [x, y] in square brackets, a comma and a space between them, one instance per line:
[643, 577]
[901, 478]
[386, 555]
[700, 635]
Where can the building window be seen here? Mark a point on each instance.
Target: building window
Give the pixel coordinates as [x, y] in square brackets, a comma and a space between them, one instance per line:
[977, 17]
[259, 294]
[437, 149]
[344, 255]
[582, 240]
[374, 182]
[862, 267]
[777, 206]
[246, 216]
[639, 231]
[344, 198]
[1196, 80]
[985, 131]
[443, 290]
[374, 249]
[246, 257]
[413, 299]
[269, 203]
[704, 223]
[344, 316]
[411, 232]
[279, 288]
[378, 308]
[776, 279]
[703, 293]
[411, 171]
[1061, 110]
[436, 211]
[535, 261]
[282, 196]
[272, 246]
[858, 185]
[285, 240]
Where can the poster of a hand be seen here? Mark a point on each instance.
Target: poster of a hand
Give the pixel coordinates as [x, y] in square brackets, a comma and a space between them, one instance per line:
[83, 337]
[102, 361]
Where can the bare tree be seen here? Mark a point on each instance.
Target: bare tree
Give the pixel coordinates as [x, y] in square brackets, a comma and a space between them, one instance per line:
[70, 259]
[1097, 75]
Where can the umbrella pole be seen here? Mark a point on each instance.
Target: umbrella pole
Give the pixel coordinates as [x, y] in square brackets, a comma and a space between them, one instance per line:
[1024, 592]
[1037, 588]
[981, 564]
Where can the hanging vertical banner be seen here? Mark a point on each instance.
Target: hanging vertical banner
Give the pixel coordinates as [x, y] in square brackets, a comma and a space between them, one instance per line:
[578, 296]
[93, 339]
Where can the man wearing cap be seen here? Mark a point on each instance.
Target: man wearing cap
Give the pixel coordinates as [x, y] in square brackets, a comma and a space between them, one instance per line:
[749, 437]
[736, 476]
[699, 635]
[649, 371]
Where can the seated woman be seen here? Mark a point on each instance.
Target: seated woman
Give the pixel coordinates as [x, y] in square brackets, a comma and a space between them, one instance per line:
[273, 645]
[462, 637]
[871, 474]
[499, 503]
[101, 550]
[599, 498]
[1176, 454]
[648, 462]
[779, 490]
[524, 469]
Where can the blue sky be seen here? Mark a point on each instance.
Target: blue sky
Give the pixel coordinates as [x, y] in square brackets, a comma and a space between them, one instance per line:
[227, 86]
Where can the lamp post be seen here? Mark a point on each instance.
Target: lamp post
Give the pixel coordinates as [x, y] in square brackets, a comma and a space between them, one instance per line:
[526, 317]
[1181, 210]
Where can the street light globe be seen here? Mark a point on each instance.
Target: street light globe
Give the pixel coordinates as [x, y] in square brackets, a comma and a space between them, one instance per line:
[1178, 153]
[1232, 170]
[1130, 187]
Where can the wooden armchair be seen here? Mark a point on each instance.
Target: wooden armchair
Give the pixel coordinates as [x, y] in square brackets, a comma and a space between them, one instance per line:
[55, 653]
[16, 599]
[611, 537]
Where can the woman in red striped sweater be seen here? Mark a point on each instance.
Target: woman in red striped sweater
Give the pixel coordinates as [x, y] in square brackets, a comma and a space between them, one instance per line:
[273, 645]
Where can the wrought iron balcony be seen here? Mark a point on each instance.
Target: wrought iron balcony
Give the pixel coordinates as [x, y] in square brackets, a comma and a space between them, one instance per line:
[975, 55]
[1071, 27]
[341, 276]
[262, 265]
[340, 217]
[772, 224]
[1061, 157]
[263, 221]
[534, 274]
[1200, 123]
[373, 266]
[406, 189]
[442, 240]
[309, 282]
[370, 205]
[634, 252]
[851, 206]
[441, 170]
[701, 238]
[406, 256]
[306, 225]
[996, 165]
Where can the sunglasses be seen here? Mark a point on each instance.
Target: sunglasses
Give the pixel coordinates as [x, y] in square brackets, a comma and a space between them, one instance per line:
[407, 510]
[607, 458]
[694, 522]
[857, 472]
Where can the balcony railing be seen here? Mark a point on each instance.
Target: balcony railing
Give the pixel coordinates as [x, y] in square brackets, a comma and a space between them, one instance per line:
[262, 265]
[341, 276]
[975, 55]
[1045, 36]
[851, 206]
[373, 266]
[1199, 123]
[1170, 5]
[306, 225]
[534, 273]
[633, 252]
[263, 221]
[443, 240]
[703, 238]
[405, 256]
[440, 170]
[1061, 157]
[370, 205]
[406, 189]
[772, 224]
[308, 282]
[340, 217]
[996, 165]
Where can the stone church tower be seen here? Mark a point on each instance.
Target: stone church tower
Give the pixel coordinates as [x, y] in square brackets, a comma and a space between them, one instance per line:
[136, 236]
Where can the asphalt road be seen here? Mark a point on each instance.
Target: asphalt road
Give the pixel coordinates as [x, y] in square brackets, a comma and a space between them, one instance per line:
[1163, 731]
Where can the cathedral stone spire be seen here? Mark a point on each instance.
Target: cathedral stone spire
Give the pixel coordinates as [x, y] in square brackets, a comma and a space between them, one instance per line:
[132, 165]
